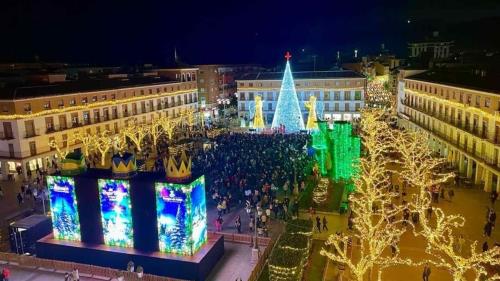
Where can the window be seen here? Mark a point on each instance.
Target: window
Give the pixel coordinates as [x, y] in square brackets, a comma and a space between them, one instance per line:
[357, 95]
[61, 103]
[142, 92]
[327, 107]
[487, 102]
[337, 107]
[347, 107]
[104, 97]
[336, 95]
[241, 84]
[113, 96]
[46, 105]
[72, 102]
[250, 84]
[347, 95]
[84, 100]
[270, 106]
[150, 91]
[326, 96]
[478, 100]
[27, 107]
[250, 96]
[357, 106]
[94, 98]
[337, 83]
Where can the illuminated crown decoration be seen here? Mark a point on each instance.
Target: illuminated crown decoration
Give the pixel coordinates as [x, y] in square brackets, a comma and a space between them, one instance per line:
[123, 166]
[178, 171]
[73, 164]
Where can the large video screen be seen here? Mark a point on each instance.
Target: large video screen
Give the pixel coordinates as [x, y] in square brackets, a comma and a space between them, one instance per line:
[116, 212]
[199, 212]
[63, 206]
[171, 214]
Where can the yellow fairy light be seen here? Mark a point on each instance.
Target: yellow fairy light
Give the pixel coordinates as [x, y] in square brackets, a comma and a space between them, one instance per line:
[419, 170]
[375, 226]
[90, 105]
[103, 142]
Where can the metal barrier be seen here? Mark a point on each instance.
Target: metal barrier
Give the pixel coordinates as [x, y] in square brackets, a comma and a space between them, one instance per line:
[84, 269]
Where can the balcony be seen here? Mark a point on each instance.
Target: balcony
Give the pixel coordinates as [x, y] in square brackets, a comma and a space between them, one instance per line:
[32, 134]
[4, 136]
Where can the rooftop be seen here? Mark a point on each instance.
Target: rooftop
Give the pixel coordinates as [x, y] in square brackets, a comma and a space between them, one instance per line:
[301, 75]
[469, 79]
[16, 91]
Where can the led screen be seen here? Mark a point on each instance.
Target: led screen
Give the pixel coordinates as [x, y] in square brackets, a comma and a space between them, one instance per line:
[171, 215]
[116, 212]
[199, 213]
[63, 206]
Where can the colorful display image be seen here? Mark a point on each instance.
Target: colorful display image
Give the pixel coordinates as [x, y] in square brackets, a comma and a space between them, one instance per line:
[182, 216]
[199, 212]
[171, 215]
[116, 212]
[63, 206]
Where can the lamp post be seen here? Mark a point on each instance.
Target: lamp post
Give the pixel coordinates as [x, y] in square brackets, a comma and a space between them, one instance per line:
[255, 246]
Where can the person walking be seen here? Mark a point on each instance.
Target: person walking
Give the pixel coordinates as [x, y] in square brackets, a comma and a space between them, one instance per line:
[485, 246]
[492, 217]
[451, 194]
[75, 274]
[488, 227]
[237, 223]
[493, 197]
[426, 273]
[325, 224]
[6, 274]
[318, 224]
[19, 198]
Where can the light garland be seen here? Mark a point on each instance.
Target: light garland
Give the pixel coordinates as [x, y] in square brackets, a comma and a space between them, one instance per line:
[321, 191]
[375, 226]
[91, 105]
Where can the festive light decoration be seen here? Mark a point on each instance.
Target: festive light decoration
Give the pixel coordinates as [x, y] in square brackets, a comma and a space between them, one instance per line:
[103, 142]
[136, 133]
[375, 225]
[116, 212]
[287, 111]
[168, 126]
[63, 208]
[311, 119]
[182, 217]
[62, 150]
[377, 94]
[90, 106]
[289, 256]
[258, 120]
[87, 141]
[337, 150]
[419, 170]
[320, 192]
[156, 131]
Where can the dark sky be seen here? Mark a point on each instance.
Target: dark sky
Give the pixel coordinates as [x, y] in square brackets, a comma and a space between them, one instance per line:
[258, 31]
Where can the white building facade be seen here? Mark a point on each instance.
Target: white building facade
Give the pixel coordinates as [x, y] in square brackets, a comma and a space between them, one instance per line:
[31, 119]
[340, 95]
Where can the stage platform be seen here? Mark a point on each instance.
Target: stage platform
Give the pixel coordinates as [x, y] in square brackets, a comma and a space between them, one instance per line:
[196, 267]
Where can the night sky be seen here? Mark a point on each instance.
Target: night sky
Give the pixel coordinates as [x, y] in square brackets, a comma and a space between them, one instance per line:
[253, 31]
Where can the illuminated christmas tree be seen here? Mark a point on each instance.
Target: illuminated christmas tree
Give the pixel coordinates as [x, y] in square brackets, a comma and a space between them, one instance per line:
[288, 109]
[178, 233]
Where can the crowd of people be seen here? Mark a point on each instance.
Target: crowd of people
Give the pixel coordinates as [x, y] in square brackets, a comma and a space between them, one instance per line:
[251, 170]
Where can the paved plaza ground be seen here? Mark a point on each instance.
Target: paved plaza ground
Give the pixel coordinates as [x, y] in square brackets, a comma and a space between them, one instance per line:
[470, 202]
[27, 274]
